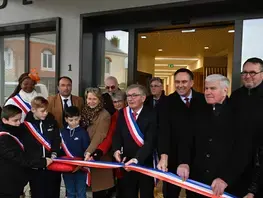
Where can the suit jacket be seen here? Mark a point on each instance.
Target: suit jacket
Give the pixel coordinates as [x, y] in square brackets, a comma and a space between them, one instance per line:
[56, 108]
[122, 138]
[175, 118]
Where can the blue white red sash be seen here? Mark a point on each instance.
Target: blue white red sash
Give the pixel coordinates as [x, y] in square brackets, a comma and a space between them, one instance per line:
[14, 137]
[23, 105]
[38, 135]
[137, 135]
[70, 155]
[133, 127]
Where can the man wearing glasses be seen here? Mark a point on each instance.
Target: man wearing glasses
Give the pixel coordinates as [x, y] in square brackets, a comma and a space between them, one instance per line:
[247, 103]
[111, 86]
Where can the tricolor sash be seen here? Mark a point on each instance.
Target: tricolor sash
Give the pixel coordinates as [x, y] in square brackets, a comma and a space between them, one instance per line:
[38, 135]
[14, 137]
[133, 127]
[137, 135]
[70, 155]
[23, 105]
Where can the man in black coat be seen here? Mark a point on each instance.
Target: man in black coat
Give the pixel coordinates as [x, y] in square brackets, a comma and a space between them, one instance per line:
[247, 103]
[174, 120]
[206, 150]
[135, 150]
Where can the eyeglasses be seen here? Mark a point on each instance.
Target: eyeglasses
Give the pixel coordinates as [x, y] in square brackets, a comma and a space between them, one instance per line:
[251, 73]
[155, 86]
[110, 87]
[117, 101]
[133, 96]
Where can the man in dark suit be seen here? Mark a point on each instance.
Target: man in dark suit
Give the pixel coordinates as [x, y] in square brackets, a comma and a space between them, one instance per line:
[135, 150]
[174, 120]
[111, 86]
[157, 93]
[207, 148]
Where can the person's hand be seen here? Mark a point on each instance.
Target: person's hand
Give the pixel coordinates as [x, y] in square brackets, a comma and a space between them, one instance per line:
[48, 161]
[76, 169]
[117, 156]
[97, 154]
[249, 195]
[131, 161]
[183, 171]
[87, 156]
[162, 165]
[218, 186]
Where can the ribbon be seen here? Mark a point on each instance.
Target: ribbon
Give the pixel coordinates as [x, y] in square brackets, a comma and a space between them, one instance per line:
[14, 137]
[189, 184]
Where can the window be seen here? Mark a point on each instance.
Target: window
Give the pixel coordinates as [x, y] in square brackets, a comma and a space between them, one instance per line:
[43, 59]
[9, 58]
[47, 60]
[107, 65]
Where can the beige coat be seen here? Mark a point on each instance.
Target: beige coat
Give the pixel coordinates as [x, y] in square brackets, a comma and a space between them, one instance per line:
[55, 106]
[101, 179]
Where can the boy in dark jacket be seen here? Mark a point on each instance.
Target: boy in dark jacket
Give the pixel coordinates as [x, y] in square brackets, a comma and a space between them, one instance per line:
[75, 141]
[13, 162]
[42, 140]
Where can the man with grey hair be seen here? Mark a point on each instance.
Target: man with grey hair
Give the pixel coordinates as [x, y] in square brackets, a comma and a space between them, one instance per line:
[111, 86]
[135, 133]
[206, 149]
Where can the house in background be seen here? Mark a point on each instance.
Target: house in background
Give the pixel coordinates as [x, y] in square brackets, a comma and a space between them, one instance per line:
[116, 63]
[43, 56]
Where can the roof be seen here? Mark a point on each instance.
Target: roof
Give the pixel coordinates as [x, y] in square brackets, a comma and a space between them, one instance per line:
[109, 47]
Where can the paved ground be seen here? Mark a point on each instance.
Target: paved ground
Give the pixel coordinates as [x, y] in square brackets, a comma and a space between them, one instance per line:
[157, 192]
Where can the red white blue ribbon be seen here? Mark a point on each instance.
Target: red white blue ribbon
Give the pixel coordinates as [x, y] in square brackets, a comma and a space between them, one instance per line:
[133, 127]
[23, 105]
[38, 135]
[189, 184]
[14, 137]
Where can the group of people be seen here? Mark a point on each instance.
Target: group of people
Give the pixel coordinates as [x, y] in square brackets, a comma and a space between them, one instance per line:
[210, 137]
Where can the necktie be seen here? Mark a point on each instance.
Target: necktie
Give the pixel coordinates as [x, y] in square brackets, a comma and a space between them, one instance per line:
[187, 103]
[65, 103]
[155, 102]
[134, 115]
[65, 106]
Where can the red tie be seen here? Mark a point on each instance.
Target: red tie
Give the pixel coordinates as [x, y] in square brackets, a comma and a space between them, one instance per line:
[134, 115]
[187, 103]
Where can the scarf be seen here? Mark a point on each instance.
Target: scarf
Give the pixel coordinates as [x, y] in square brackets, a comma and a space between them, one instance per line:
[88, 115]
[28, 97]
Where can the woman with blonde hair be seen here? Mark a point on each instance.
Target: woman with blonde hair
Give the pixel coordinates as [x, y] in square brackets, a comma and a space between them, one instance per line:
[96, 120]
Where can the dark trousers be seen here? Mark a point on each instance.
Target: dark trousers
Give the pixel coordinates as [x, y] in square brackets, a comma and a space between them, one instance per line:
[170, 190]
[132, 183]
[8, 196]
[101, 194]
[44, 184]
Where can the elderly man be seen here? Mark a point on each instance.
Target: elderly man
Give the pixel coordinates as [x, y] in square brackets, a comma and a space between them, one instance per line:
[174, 119]
[111, 86]
[136, 134]
[63, 99]
[247, 102]
[205, 151]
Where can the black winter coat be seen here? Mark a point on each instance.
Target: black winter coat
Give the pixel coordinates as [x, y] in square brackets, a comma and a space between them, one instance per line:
[13, 162]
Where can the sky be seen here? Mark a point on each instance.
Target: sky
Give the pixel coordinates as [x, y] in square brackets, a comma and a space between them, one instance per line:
[123, 36]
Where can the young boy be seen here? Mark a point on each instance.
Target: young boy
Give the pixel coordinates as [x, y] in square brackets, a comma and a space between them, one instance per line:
[75, 141]
[42, 140]
[13, 162]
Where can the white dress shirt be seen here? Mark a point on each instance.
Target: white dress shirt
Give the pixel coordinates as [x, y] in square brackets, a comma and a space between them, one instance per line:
[68, 102]
[189, 97]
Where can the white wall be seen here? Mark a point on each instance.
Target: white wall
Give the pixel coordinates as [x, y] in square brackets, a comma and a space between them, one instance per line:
[69, 11]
